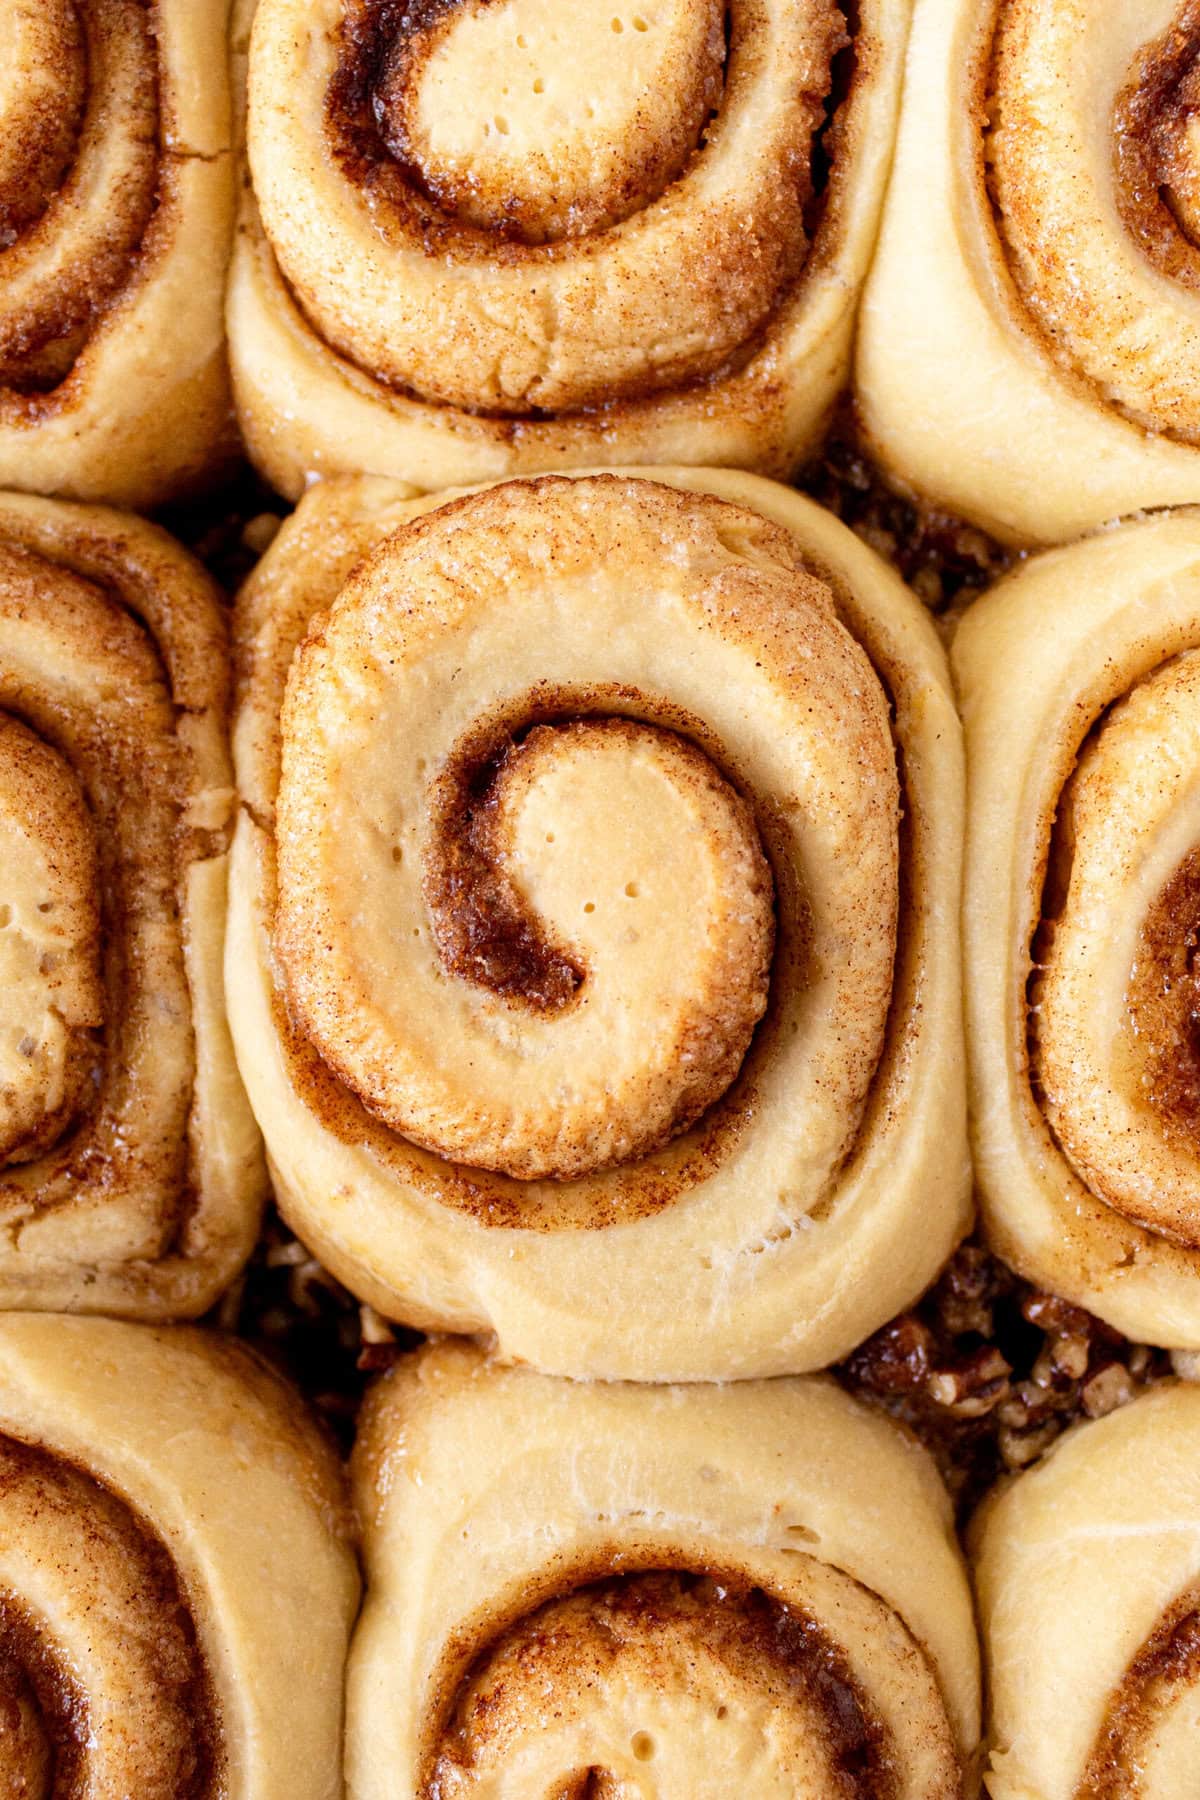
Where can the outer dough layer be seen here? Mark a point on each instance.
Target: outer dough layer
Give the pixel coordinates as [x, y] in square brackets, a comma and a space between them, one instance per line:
[488, 1493]
[302, 404]
[143, 409]
[132, 1176]
[1038, 663]
[784, 1228]
[1086, 1575]
[961, 393]
[178, 1447]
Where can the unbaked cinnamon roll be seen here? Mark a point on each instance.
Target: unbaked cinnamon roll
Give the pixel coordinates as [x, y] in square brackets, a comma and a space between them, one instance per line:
[1031, 332]
[130, 1168]
[1080, 679]
[492, 239]
[590, 1589]
[592, 959]
[1088, 1579]
[116, 219]
[176, 1582]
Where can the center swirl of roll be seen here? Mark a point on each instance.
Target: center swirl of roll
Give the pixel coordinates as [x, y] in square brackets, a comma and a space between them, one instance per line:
[483, 103]
[643, 1671]
[602, 889]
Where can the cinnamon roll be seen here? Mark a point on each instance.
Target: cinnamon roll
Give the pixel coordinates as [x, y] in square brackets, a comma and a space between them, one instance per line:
[130, 1168]
[593, 965]
[176, 1582]
[1031, 332]
[1079, 678]
[487, 240]
[594, 1588]
[1088, 1579]
[116, 219]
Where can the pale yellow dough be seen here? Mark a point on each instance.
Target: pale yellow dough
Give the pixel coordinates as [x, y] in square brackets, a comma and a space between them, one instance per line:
[690, 1592]
[659, 293]
[1077, 678]
[177, 1585]
[1087, 1572]
[131, 1171]
[1028, 346]
[821, 1187]
[116, 165]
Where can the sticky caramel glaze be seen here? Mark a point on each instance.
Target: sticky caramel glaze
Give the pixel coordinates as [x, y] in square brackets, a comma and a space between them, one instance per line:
[67, 250]
[1158, 180]
[57, 1741]
[497, 926]
[641, 1625]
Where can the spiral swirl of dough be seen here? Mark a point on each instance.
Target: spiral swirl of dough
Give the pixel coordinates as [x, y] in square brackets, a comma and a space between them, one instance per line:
[492, 239]
[595, 961]
[176, 1582]
[1090, 1565]
[1045, 220]
[1079, 679]
[594, 1589]
[130, 1168]
[116, 215]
